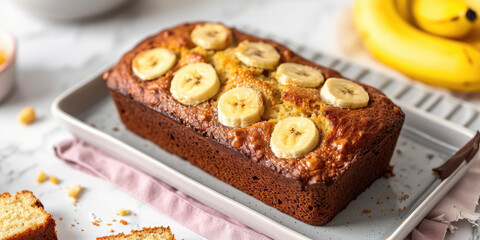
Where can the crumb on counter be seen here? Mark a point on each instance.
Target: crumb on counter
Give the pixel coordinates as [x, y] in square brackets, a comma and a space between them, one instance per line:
[367, 211]
[123, 222]
[405, 196]
[96, 223]
[94, 218]
[74, 191]
[27, 116]
[53, 180]
[41, 177]
[389, 173]
[109, 224]
[123, 212]
[111, 230]
[388, 197]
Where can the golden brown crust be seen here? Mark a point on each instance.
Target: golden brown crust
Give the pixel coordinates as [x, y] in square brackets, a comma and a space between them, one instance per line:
[144, 230]
[44, 231]
[347, 131]
[315, 203]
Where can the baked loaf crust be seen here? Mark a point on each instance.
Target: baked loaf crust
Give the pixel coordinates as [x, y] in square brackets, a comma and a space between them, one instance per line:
[145, 233]
[354, 149]
[23, 208]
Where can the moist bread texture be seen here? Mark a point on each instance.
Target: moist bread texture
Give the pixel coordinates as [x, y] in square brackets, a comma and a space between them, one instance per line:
[155, 233]
[23, 218]
[354, 149]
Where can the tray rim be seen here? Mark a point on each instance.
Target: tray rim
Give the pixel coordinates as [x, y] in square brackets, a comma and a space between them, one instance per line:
[276, 230]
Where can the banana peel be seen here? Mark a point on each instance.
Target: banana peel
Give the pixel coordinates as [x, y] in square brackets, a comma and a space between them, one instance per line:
[474, 37]
[433, 60]
[445, 18]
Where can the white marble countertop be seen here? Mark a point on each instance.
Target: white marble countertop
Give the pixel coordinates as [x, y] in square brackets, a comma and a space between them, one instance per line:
[55, 55]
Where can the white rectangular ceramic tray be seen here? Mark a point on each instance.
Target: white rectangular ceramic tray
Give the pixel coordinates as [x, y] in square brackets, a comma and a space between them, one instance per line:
[394, 206]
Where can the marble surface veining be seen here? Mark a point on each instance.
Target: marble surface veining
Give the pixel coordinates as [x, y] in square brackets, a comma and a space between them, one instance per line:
[53, 56]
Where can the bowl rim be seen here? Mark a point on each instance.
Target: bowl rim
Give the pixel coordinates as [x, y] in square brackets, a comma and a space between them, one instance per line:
[11, 58]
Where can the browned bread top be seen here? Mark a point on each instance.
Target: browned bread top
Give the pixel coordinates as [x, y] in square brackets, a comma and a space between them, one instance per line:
[344, 133]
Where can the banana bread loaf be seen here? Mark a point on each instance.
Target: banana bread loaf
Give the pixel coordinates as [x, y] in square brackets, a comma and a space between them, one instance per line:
[293, 134]
[22, 217]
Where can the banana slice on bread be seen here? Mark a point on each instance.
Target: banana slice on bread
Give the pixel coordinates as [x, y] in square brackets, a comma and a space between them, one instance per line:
[211, 36]
[343, 93]
[257, 54]
[153, 63]
[240, 107]
[294, 137]
[194, 83]
[299, 75]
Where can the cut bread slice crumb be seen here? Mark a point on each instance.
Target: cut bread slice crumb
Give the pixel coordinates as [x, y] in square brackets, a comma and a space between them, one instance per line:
[41, 177]
[74, 191]
[53, 180]
[146, 234]
[22, 217]
[123, 212]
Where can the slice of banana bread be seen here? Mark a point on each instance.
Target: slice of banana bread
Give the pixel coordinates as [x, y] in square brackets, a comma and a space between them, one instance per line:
[293, 134]
[22, 217]
[155, 233]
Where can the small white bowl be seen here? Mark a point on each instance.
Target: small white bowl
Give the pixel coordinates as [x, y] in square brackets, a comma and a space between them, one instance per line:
[69, 9]
[8, 47]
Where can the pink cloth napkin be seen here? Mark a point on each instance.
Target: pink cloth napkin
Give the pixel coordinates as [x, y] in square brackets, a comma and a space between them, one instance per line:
[190, 213]
[461, 201]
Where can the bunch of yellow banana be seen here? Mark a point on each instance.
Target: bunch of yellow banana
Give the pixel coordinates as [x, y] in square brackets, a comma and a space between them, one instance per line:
[445, 18]
[434, 41]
